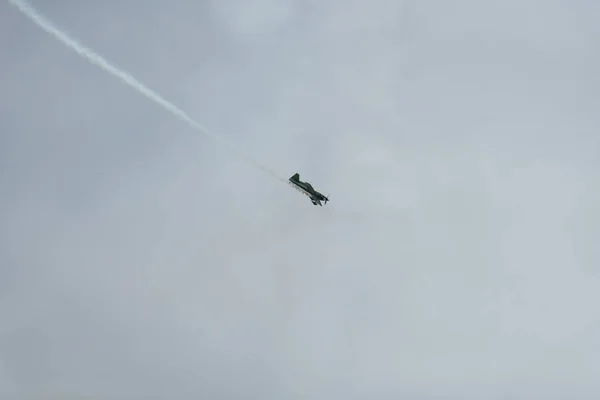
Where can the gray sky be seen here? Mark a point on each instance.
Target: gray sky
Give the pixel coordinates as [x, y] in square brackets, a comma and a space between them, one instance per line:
[458, 258]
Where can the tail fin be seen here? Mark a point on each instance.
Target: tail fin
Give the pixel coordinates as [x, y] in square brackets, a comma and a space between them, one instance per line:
[295, 177]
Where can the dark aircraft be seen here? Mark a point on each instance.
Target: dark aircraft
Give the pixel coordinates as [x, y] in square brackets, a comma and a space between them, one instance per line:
[308, 190]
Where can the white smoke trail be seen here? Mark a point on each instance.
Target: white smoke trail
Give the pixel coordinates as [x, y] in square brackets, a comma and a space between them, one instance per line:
[126, 78]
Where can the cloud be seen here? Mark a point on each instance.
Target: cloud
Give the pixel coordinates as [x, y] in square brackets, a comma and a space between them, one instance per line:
[456, 259]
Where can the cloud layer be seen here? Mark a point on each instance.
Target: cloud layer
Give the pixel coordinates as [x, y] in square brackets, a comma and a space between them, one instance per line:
[457, 257]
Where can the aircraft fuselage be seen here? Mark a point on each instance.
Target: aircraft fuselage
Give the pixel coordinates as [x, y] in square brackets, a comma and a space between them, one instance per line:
[307, 189]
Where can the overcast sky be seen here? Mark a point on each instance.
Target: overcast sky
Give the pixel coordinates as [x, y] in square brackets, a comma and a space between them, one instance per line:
[458, 258]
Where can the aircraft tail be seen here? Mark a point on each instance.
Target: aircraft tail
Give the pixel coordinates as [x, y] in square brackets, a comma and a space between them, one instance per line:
[295, 177]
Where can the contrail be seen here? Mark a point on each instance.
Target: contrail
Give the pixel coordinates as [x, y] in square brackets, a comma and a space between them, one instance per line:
[126, 78]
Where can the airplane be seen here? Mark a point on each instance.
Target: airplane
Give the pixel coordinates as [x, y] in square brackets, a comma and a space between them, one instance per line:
[307, 189]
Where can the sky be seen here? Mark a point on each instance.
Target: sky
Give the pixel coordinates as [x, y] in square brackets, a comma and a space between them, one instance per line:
[457, 259]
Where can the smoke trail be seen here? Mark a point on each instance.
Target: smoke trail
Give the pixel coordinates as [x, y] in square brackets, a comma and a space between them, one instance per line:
[126, 78]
